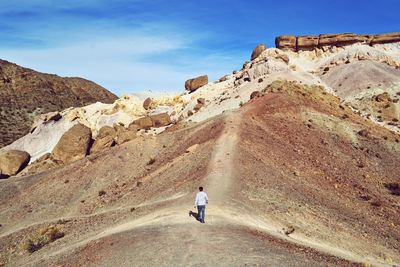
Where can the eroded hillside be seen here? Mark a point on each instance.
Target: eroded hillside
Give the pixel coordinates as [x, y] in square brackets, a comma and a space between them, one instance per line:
[294, 178]
[25, 93]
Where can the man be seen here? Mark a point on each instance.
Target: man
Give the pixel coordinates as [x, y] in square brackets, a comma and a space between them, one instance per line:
[200, 203]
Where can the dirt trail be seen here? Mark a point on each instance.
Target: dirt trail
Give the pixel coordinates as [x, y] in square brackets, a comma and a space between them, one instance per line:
[221, 213]
[219, 181]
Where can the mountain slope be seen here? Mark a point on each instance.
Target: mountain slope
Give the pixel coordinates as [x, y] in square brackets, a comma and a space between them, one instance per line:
[291, 158]
[25, 93]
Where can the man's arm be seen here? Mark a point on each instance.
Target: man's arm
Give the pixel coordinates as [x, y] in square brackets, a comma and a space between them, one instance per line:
[206, 198]
[196, 200]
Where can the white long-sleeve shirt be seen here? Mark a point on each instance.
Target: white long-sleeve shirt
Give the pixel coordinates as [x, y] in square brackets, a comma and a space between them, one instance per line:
[201, 199]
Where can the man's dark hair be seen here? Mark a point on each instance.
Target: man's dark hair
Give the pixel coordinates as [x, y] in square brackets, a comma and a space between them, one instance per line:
[201, 188]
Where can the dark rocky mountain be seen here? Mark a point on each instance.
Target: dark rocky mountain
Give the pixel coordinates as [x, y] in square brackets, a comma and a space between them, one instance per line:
[25, 93]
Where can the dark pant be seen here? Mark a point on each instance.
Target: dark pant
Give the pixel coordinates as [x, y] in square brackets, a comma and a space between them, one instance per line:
[201, 210]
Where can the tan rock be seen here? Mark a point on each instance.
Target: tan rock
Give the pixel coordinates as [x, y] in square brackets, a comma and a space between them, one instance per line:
[201, 100]
[144, 123]
[224, 78]
[384, 97]
[105, 139]
[43, 163]
[255, 94]
[13, 161]
[350, 38]
[133, 127]
[195, 83]
[125, 136]
[198, 107]
[286, 42]
[160, 120]
[74, 144]
[342, 39]
[246, 65]
[258, 51]
[283, 57]
[192, 148]
[147, 103]
[386, 38]
[308, 42]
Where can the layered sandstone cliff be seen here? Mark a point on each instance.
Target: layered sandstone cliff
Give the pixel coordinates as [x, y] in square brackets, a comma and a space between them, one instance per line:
[310, 42]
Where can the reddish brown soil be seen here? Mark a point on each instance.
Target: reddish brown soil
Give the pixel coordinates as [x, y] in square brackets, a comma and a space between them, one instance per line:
[272, 164]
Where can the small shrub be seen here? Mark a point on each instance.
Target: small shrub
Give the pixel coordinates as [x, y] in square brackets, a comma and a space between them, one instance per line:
[394, 188]
[376, 203]
[151, 161]
[44, 237]
[29, 246]
[102, 193]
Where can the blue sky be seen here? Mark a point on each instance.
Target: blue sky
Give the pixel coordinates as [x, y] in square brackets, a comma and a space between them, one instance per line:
[131, 46]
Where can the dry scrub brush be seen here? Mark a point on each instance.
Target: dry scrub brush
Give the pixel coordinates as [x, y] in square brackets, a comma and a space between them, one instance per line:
[43, 237]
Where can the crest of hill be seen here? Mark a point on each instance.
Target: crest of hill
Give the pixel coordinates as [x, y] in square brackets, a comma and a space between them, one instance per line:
[310, 42]
[25, 93]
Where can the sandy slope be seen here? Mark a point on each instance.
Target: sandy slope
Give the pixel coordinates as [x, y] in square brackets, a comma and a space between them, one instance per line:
[272, 164]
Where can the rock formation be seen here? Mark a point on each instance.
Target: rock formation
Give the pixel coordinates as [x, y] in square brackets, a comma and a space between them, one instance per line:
[124, 135]
[74, 144]
[195, 83]
[158, 120]
[257, 51]
[105, 138]
[144, 123]
[310, 42]
[25, 93]
[147, 103]
[12, 162]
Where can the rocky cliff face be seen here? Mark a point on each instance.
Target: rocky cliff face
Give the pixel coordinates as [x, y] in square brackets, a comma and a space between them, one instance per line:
[25, 93]
[310, 42]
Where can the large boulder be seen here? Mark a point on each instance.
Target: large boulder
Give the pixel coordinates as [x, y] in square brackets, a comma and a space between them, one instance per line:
[286, 42]
[13, 161]
[160, 120]
[258, 51]
[144, 123]
[104, 139]
[157, 120]
[147, 103]
[124, 135]
[195, 83]
[74, 144]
